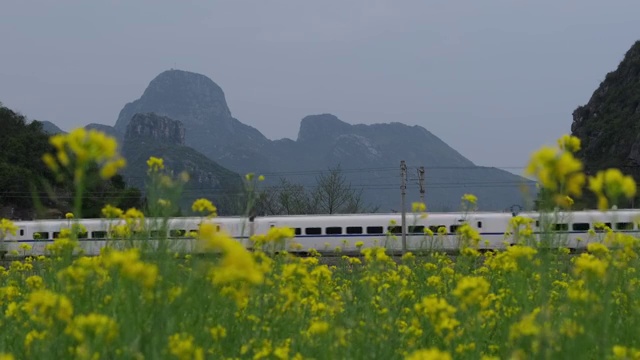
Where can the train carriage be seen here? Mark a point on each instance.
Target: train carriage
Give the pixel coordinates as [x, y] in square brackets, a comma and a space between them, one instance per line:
[347, 232]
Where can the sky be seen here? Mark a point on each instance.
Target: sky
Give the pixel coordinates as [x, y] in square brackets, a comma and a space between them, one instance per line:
[494, 79]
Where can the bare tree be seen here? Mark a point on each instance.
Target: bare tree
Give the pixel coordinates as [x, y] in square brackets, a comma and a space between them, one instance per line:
[333, 194]
[285, 199]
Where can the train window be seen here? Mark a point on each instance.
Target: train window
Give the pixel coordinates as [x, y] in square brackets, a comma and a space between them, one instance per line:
[175, 233]
[313, 231]
[418, 229]
[434, 228]
[298, 231]
[192, 233]
[537, 223]
[98, 234]
[395, 229]
[580, 226]
[453, 228]
[479, 224]
[82, 235]
[374, 230]
[41, 235]
[21, 232]
[154, 233]
[333, 230]
[624, 226]
[354, 229]
[560, 227]
[599, 227]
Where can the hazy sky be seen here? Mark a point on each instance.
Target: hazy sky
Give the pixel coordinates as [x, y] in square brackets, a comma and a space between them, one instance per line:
[493, 79]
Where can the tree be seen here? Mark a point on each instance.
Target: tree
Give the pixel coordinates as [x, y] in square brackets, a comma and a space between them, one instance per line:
[332, 194]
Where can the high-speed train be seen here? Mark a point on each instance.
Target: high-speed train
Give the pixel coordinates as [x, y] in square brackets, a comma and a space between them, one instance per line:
[325, 233]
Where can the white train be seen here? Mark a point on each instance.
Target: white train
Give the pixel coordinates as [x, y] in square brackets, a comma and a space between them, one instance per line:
[350, 233]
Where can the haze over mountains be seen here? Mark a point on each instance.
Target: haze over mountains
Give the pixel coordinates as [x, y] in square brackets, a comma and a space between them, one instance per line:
[369, 155]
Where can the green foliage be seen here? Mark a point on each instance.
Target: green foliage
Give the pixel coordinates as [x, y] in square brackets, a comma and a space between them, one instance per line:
[28, 187]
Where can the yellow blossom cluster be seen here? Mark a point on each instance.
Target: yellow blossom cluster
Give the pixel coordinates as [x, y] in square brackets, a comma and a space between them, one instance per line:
[80, 148]
[610, 186]
[155, 164]
[204, 206]
[558, 171]
[7, 227]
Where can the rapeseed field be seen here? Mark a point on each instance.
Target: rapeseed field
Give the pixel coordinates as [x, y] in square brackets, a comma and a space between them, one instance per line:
[158, 302]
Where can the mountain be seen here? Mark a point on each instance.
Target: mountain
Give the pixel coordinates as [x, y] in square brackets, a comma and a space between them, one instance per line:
[369, 154]
[109, 130]
[51, 128]
[200, 104]
[373, 154]
[149, 135]
[609, 124]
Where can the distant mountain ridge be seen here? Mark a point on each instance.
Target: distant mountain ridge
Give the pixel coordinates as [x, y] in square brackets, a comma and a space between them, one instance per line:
[50, 128]
[324, 141]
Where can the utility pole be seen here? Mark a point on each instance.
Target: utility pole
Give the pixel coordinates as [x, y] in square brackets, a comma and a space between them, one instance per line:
[421, 180]
[403, 190]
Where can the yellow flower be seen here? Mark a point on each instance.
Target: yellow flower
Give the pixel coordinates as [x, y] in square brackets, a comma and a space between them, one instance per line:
[183, 347]
[318, 327]
[470, 198]
[589, 264]
[111, 212]
[621, 352]
[76, 150]
[557, 170]
[471, 290]
[93, 327]
[110, 168]
[429, 354]
[204, 206]
[527, 326]
[237, 263]
[45, 306]
[569, 143]
[68, 215]
[611, 185]
[418, 207]
[7, 227]
[155, 164]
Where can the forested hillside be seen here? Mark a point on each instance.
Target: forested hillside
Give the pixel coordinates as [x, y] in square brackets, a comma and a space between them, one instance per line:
[29, 190]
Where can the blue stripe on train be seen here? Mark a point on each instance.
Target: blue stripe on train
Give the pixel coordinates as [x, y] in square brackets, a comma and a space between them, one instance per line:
[333, 236]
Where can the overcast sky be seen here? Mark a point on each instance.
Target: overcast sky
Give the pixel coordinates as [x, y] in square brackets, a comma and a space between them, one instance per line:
[493, 79]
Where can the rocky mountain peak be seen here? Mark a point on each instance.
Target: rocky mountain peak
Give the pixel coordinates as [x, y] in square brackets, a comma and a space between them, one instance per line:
[157, 128]
[200, 105]
[179, 94]
[315, 128]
